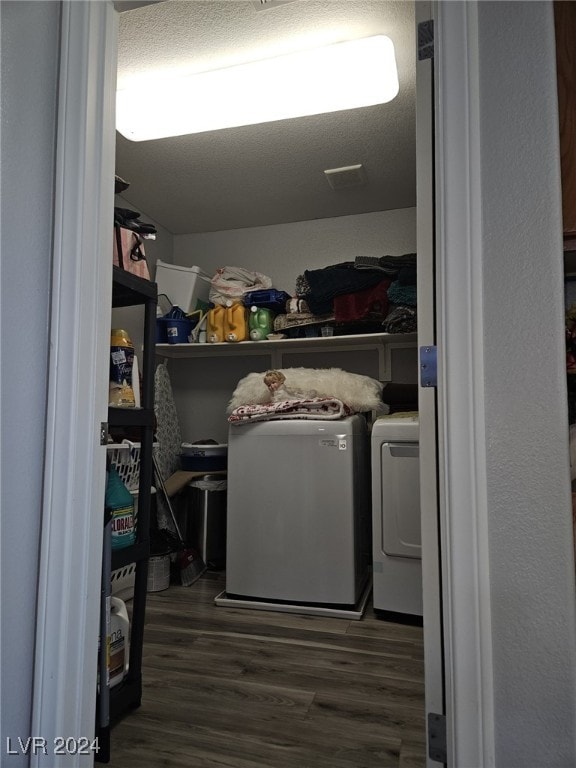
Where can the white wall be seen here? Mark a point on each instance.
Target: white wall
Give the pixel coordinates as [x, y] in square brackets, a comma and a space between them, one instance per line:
[528, 484]
[284, 251]
[29, 63]
[202, 387]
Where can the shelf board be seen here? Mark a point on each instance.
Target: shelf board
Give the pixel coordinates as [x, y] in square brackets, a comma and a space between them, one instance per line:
[128, 555]
[130, 417]
[129, 290]
[357, 341]
[125, 697]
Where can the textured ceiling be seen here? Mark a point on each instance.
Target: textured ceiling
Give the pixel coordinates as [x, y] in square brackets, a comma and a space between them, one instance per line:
[272, 173]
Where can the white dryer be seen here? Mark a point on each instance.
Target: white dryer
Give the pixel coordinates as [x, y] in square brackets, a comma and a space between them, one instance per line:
[397, 558]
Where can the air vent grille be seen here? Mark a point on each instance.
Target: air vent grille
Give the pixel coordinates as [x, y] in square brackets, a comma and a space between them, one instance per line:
[264, 5]
[344, 178]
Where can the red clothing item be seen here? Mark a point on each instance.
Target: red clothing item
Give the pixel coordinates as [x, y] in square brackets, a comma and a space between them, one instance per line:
[367, 304]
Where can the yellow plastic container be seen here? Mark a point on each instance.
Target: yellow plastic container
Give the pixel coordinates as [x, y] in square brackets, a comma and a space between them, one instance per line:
[236, 326]
[215, 324]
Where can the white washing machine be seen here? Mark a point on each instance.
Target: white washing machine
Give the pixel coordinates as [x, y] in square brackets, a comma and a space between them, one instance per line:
[298, 516]
[396, 532]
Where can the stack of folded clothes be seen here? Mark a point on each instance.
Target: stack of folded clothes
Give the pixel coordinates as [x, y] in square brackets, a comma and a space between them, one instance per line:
[369, 294]
[401, 270]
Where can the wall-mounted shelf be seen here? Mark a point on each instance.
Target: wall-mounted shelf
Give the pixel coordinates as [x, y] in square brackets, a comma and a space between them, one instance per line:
[266, 347]
[382, 343]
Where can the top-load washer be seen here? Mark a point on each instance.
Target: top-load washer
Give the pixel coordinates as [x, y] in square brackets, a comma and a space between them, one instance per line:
[396, 525]
[299, 521]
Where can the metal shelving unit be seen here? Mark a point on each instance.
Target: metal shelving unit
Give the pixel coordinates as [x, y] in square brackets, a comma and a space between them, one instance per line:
[114, 703]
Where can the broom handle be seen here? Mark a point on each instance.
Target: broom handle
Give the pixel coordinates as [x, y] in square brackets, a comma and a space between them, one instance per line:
[168, 502]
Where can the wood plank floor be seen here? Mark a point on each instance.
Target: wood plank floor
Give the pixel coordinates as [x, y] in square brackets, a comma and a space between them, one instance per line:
[239, 688]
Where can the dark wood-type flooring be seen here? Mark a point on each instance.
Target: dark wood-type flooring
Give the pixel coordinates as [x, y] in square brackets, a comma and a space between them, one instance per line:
[239, 688]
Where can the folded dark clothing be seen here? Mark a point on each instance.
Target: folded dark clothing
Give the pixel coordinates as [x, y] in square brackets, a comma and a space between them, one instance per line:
[400, 397]
[401, 320]
[124, 217]
[302, 287]
[402, 294]
[388, 264]
[369, 304]
[336, 280]
[126, 214]
[141, 227]
[407, 276]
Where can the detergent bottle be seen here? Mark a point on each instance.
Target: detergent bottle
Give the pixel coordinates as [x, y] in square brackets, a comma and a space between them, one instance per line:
[215, 323]
[260, 323]
[236, 326]
[119, 642]
[121, 363]
[120, 502]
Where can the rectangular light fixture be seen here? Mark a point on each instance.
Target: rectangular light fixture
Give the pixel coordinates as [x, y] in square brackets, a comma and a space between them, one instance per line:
[356, 73]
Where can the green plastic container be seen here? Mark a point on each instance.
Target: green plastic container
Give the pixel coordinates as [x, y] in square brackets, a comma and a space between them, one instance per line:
[259, 323]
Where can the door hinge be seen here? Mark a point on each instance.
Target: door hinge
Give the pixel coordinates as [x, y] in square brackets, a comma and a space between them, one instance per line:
[437, 737]
[103, 433]
[426, 40]
[428, 367]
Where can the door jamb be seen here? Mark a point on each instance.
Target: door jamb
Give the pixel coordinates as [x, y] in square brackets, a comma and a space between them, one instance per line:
[77, 398]
[461, 433]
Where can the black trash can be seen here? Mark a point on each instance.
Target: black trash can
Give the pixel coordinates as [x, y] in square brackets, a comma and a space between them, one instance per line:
[205, 519]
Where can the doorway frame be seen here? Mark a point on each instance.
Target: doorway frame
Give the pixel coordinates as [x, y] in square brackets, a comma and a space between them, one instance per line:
[89, 45]
[463, 505]
[67, 626]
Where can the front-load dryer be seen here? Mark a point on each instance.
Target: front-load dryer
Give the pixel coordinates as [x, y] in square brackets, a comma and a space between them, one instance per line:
[397, 545]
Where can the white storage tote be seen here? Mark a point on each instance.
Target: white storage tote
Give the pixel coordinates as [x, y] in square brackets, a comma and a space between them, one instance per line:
[183, 286]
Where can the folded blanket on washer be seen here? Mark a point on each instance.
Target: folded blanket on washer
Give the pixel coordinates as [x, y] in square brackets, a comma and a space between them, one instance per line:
[307, 408]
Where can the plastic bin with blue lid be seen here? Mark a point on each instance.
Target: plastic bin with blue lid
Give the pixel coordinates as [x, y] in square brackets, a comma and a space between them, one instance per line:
[267, 299]
[204, 457]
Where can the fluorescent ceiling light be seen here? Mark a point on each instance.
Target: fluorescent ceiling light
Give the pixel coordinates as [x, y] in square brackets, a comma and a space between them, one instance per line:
[358, 73]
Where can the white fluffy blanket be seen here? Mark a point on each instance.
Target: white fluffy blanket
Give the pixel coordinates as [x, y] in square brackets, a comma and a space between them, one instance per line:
[359, 393]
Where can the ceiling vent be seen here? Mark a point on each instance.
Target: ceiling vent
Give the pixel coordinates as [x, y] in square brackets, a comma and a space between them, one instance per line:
[344, 178]
[263, 5]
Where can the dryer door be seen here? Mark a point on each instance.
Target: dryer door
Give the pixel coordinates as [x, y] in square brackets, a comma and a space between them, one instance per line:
[401, 535]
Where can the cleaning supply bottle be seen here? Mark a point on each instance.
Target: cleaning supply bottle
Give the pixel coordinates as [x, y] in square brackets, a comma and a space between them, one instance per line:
[215, 324]
[236, 326]
[121, 392]
[118, 651]
[260, 323]
[121, 503]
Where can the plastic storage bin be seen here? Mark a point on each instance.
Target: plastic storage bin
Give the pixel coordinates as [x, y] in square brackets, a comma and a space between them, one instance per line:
[185, 287]
[270, 299]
